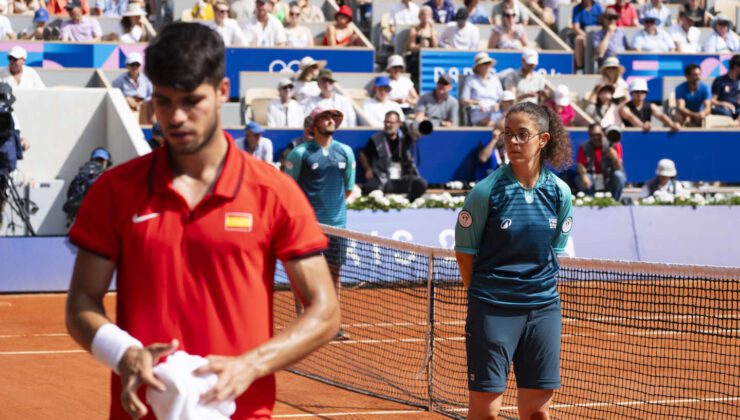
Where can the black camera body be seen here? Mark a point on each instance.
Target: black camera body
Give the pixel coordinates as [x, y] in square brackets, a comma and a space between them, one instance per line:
[11, 149]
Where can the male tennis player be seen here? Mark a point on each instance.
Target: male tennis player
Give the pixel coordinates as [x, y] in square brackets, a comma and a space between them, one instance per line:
[193, 231]
[325, 170]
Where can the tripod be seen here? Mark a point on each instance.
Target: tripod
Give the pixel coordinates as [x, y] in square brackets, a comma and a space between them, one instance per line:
[9, 194]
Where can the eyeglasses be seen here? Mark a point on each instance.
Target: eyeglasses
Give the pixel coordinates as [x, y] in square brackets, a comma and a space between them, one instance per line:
[509, 15]
[223, 10]
[295, 14]
[287, 87]
[522, 137]
[649, 21]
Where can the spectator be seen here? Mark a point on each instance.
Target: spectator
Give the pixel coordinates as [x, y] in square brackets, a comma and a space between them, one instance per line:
[100, 160]
[228, 28]
[278, 8]
[493, 154]
[460, 35]
[306, 85]
[560, 103]
[421, 36]
[113, 8]
[509, 35]
[442, 10]
[242, 9]
[605, 110]
[297, 36]
[626, 12]
[388, 161]
[528, 84]
[522, 16]
[263, 29]
[652, 38]
[722, 39]
[6, 29]
[80, 28]
[23, 7]
[726, 92]
[405, 13]
[402, 88]
[599, 162]
[585, 14]
[664, 181]
[611, 39]
[438, 106]
[297, 141]
[328, 99]
[134, 26]
[39, 30]
[695, 11]
[380, 104]
[341, 32]
[638, 112]
[60, 7]
[546, 10]
[684, 34]
[254, 144]
[693, 98]
[284, 112]
[611, 73]
[202, 10]
[157, 139]
[310, 13]
[657, 9]
[482, 91]
[136, 87]
[17, 74]
[476, 13]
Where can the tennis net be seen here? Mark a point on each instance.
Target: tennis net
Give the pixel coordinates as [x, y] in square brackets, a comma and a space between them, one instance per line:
[639, 340]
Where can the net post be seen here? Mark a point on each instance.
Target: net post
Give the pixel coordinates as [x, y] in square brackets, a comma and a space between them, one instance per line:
[430, 332]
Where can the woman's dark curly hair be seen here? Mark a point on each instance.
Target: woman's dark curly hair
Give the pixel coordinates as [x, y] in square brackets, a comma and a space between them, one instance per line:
[558, 151]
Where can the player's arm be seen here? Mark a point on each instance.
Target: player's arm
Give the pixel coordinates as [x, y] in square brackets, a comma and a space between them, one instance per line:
[350, 172]
[88, 324]
[565, 219]
[469, 228]
[317, 325]
[294, 162]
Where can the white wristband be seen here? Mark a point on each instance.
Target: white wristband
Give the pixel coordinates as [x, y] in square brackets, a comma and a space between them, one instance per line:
[110, 344]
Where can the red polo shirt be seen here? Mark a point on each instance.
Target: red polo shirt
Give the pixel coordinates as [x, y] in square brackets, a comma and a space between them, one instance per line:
[203, 276]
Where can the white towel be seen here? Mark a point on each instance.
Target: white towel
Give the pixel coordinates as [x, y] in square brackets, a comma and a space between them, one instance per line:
[181, 400]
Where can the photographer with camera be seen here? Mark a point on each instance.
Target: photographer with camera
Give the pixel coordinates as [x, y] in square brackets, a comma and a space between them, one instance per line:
[388, 158]
[599, 162]
[100, 160]
[12, 146]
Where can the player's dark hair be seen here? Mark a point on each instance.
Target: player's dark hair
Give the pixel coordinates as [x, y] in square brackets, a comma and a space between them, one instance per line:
[735, 61]
[184, 55]
[557, 151]
[690, 68]
[398, 117]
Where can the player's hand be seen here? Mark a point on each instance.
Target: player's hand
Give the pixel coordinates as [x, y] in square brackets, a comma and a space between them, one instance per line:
[136, 369]
[235, 375]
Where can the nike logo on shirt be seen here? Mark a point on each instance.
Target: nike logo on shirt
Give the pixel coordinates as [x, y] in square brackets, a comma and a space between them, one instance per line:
[144, 217]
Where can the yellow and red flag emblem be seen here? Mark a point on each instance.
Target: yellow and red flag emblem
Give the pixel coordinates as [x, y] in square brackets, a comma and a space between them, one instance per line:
[238, 221]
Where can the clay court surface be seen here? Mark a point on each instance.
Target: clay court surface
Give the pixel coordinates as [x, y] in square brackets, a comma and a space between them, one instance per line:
[45, 375]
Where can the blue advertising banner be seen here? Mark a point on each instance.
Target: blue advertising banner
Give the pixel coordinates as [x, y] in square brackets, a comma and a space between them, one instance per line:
[456, 63]
[653, 67]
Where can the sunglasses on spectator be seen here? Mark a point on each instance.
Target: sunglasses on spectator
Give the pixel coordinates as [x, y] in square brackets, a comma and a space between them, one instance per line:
[287, 87]
[133, 65]
[649, 21]
[223, 10]
[509, 15]
[295, 14]
[11, 58]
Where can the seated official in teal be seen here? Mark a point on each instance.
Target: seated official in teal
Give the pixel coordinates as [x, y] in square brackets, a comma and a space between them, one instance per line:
[512, 226]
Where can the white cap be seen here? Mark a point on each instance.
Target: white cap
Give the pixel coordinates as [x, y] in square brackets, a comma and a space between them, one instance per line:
[530, 56]
[394, 61]
[284, 82]
[666, 167]
[508, 96]
[134, 57]
[562, 95]
[639, 85]
[18, 52]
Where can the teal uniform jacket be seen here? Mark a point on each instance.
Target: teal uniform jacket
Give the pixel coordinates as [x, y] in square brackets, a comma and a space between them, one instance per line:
[515, 234]
[324, 174]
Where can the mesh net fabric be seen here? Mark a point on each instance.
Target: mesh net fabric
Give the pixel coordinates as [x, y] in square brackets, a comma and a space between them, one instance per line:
[639, 340]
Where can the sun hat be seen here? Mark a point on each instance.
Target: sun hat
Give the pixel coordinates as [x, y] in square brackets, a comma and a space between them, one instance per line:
[720, 19]
[666, 167]
[651, 15]
[611, 62]
[639, 85]
[133, 9]
[483, 58]
[395, 61]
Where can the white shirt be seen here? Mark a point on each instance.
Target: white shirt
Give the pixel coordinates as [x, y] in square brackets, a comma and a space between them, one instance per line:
[467, 38]
[338, 102]
[400, 89]
[375, 111]
[664, 13]
[285, 115]
[715, 44]
[306, 90]
[29, 79]
[486, 91]
[272, 34]
[231, 33]
[402, 15]
[5, 27]
[298, 37]
[131, 37]
[687, 42]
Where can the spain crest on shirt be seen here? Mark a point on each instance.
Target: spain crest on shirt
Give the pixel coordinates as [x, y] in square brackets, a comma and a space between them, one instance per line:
[240, 222]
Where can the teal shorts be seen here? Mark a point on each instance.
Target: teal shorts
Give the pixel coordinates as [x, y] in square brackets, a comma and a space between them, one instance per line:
[496, 336]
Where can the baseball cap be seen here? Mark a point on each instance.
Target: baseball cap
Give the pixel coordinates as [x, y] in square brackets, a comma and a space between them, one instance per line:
[562, 95]
[71, 4]
[531, 57]
[395, 61]
[100, 153]
[382, 81]
[134, 57]
[326, 74]
[18, 52]
[41, 15]
[445, 78]
[284, 82]
[639, 85]
[336, 115]
[254, 127]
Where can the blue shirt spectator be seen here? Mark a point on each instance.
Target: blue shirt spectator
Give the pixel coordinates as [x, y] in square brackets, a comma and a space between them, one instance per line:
[616, 44]
[135, 86]
[587, 17]
[476, 13]
[442, 10]
[726, 91]
[694, 100]
[111, 7]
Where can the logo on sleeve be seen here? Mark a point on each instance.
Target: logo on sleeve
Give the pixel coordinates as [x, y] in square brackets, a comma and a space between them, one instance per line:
[505, 224]
[238, 222]
[553, 222]
[288, 164]
[567, 225]
[465, 219]
[342, 165]
[315, 166]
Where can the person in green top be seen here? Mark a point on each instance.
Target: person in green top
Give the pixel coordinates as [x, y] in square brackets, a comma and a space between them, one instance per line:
[512, 226]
